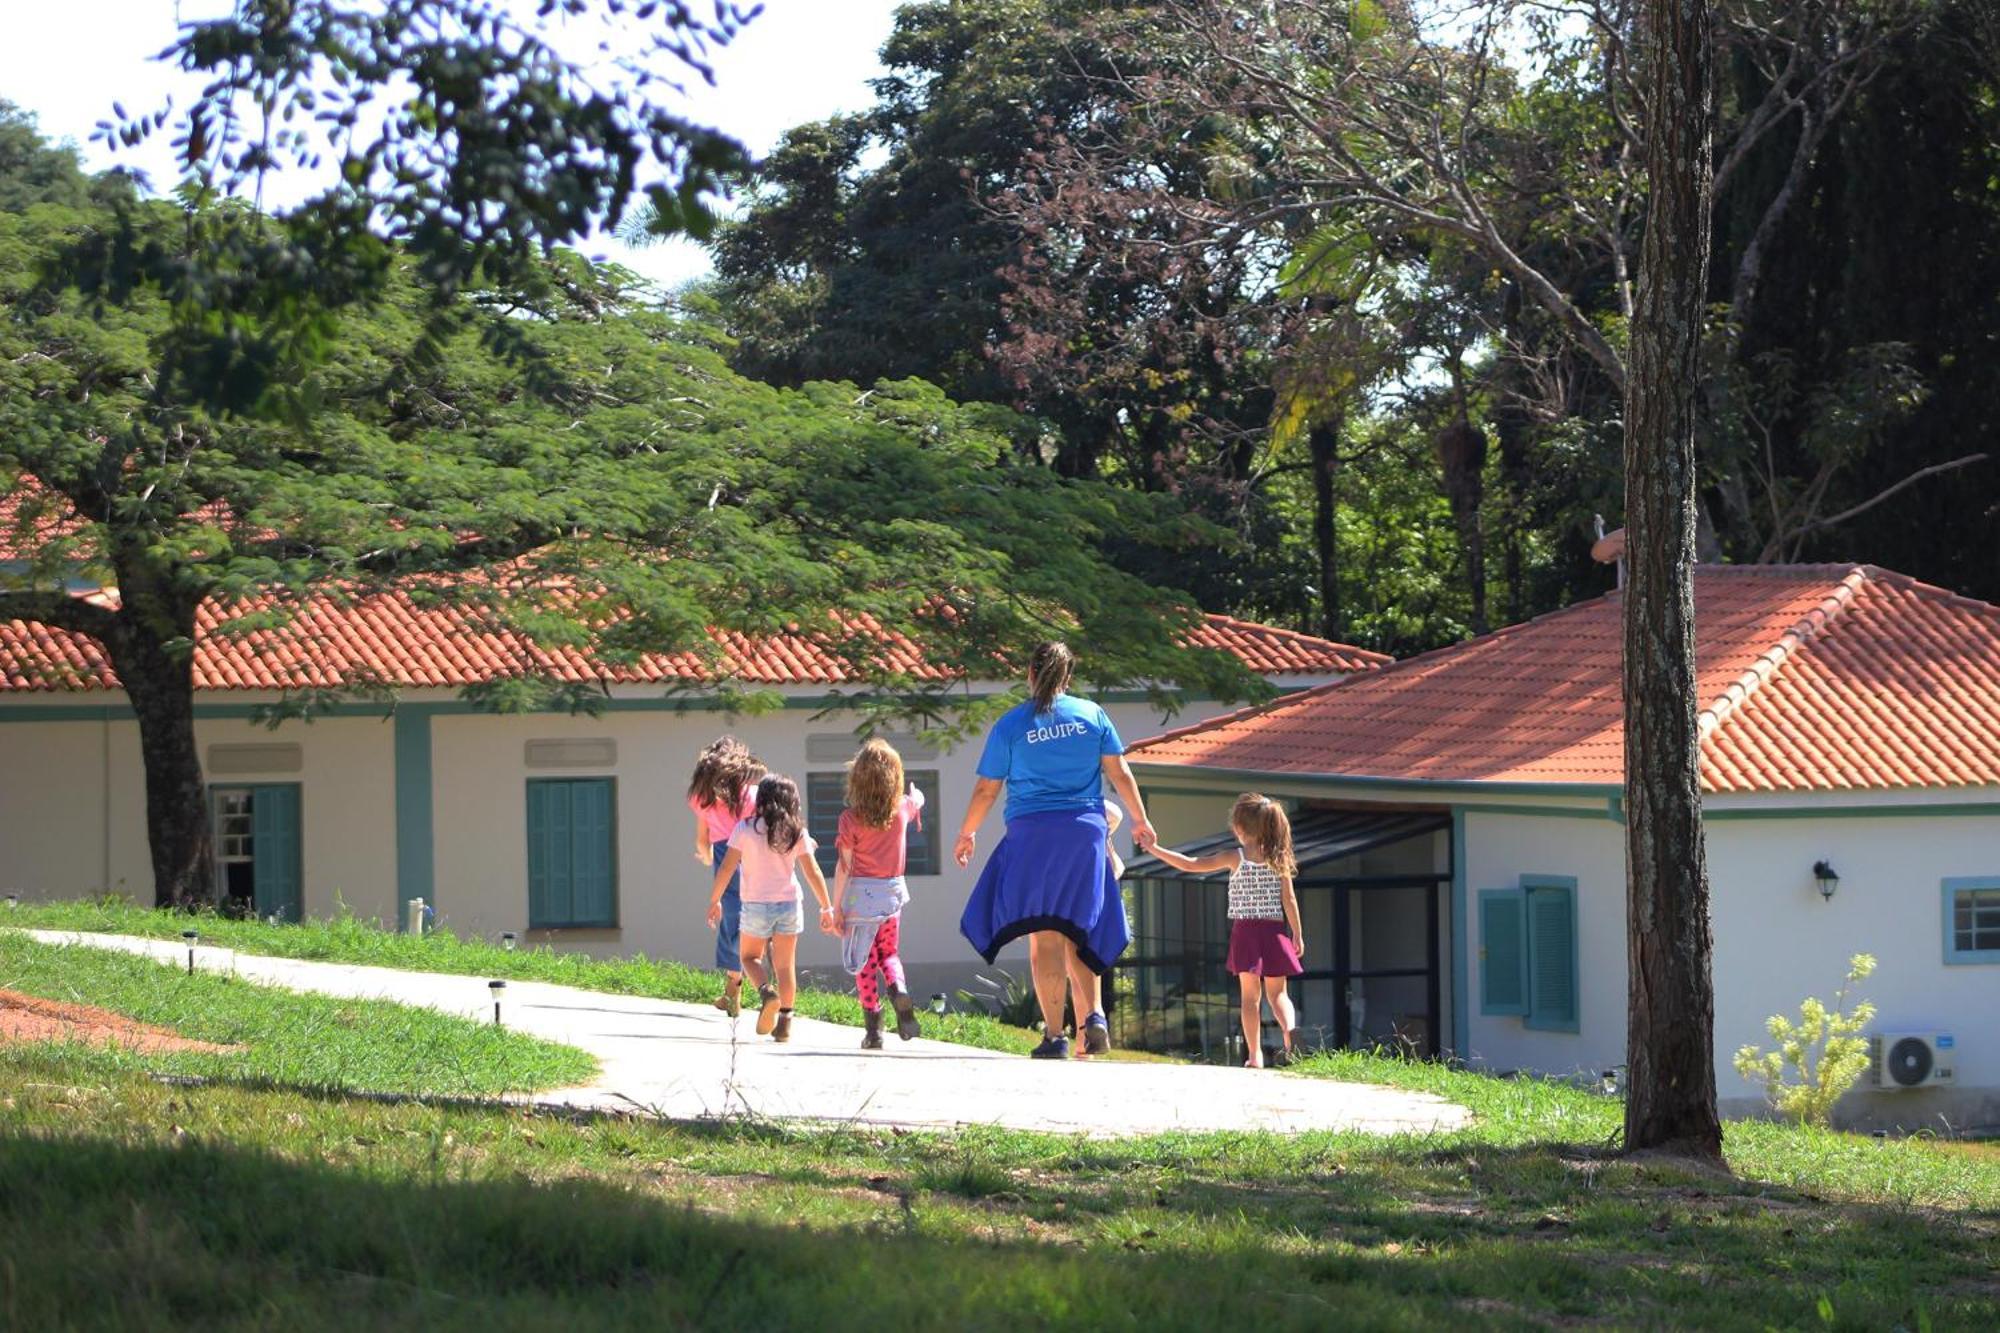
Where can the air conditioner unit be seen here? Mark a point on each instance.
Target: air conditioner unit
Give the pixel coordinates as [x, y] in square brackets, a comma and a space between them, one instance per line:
[1911, 1060]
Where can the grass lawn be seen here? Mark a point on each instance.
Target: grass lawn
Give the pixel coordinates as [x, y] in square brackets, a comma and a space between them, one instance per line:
[304, 1041]
[350, 940]
[124, 1202]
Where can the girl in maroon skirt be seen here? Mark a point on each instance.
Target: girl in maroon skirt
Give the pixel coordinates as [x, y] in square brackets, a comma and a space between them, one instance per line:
[1267, 946]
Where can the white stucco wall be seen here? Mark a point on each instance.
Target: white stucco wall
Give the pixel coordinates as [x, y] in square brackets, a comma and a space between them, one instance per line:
[72, 817]
[73, 808]
[1499, 849]
[479, 774]
[1776, 942]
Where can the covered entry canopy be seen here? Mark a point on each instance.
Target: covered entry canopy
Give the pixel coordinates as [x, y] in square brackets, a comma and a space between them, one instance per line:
[1318, 838]
[1372, 978]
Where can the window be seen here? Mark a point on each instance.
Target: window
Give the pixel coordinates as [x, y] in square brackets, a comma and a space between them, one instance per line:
[1972, 920]
[257, 849]
[572, 852]
[826, 797]
[1528, 952]
[926, 843]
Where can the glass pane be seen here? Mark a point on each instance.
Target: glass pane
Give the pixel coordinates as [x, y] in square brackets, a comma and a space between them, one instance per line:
[926, 856]
[1390, 1012]
[826, 797]
[1976, 920]
[1390, 929]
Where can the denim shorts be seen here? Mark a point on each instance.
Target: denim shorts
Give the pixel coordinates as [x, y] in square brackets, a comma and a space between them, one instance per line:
[763, 920]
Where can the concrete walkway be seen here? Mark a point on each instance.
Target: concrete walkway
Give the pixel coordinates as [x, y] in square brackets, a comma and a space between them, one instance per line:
[686, 1061]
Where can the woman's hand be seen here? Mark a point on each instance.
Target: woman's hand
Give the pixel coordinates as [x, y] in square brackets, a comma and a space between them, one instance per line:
[704, 854]
[714, 915]
[1143, 836]
[962, 850]
[1299, 945]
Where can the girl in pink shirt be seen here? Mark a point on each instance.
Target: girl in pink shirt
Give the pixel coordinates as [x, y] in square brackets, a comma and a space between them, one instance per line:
[869, 886]
[723, 792]
[769, 849]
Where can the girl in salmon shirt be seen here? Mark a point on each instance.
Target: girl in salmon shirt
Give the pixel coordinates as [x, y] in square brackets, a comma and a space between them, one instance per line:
[723, 792]
[873, 842]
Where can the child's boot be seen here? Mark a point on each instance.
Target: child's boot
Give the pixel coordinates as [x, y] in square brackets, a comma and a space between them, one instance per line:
[906, 1014]
[731, 1000]
[871, 1040]
[782, 1029]
[767, 1012]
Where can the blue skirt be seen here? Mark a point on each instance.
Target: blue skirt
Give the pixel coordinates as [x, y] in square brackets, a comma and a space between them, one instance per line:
[1049, 873]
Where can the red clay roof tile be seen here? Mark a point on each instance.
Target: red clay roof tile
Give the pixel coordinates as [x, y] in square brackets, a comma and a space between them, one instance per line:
[1818, 678]
[391, 640]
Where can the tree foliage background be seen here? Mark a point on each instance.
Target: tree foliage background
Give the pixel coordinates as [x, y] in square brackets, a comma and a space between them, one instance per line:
[1373, 257]
[1103, 312]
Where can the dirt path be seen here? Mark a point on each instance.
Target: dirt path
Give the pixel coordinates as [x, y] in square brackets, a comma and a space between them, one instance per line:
[32, 1018]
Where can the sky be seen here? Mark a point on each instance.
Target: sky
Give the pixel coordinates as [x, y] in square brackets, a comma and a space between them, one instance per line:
[68, 62]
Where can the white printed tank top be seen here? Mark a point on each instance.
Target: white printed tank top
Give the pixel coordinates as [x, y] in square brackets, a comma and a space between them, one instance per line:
[1255, 892]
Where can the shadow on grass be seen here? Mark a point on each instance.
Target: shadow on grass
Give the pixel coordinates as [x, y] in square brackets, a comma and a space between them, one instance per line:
[109, 1234]
[116, 1236]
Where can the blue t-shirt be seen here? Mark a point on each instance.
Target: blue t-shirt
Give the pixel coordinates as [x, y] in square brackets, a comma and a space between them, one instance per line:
[1052, 760]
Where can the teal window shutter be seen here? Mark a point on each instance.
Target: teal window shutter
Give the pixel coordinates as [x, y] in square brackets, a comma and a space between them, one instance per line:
[591, 844]
[1552, 953]
[1503, 952]
[572, 852]
[538, 852]
[276, 862]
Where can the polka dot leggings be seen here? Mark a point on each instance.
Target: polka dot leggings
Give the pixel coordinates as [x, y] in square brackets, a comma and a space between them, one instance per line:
[881, 958]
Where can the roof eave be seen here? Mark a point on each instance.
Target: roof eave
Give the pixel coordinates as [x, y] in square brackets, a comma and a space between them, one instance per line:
[1198, 775]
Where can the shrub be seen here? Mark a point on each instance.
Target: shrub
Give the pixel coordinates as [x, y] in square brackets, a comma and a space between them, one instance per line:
[1823, 1046]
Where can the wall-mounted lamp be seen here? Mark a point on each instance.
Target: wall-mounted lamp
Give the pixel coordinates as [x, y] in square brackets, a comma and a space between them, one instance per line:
[499, 988]
[1827, 878]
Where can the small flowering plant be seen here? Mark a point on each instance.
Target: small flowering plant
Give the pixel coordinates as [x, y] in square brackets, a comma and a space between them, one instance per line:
[1819, 1055]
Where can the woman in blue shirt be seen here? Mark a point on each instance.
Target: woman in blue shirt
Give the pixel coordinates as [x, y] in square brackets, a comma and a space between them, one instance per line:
[1049, 878]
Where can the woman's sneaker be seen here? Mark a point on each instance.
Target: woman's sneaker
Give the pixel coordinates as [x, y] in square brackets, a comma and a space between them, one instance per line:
[767, 1014]
[1052, 1048]
[1096, 1036]
[906, 1015]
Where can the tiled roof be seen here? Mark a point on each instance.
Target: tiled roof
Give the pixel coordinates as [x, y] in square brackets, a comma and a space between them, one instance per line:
[1820, 678]
[1270, 651]
[390, 639]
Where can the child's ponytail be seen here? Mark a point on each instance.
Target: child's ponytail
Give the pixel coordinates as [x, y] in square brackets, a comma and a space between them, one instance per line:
[1270, 832]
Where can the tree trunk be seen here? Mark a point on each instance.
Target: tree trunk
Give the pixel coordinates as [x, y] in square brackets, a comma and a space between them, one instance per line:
[1461, 451]
[1324, 443]
[1511, 429]
[1670, 1037]
[149, 649]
